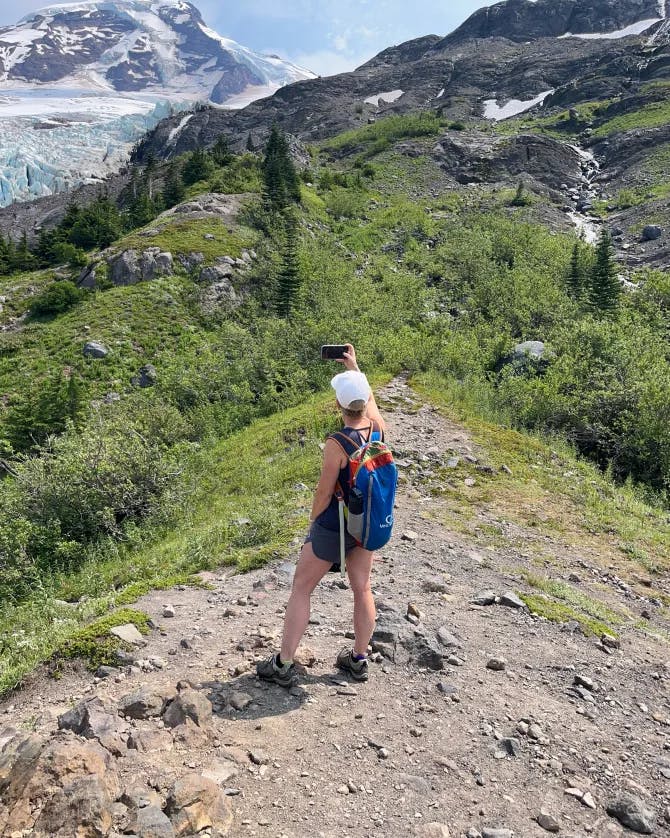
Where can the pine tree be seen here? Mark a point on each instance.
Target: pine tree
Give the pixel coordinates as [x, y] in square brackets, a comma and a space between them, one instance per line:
[288, 280]
[604, 286]
[250, 143]
[281, 183]
[173, 188]
[221, 153]
[576, 278]
[197, 167]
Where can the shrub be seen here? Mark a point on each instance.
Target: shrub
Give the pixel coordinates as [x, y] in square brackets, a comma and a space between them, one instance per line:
[57, 297]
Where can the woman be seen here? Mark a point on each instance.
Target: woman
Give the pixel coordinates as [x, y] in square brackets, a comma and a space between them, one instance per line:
[321, 551]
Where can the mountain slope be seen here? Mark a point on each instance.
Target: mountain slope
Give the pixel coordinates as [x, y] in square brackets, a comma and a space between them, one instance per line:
[80, 82]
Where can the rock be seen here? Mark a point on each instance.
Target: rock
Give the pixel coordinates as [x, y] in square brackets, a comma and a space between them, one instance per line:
[651, 232]
[413, 610]
[150, 822]
[146, 377]
[145, 702]
[496, 664]
[168, 611]
[511, 600]
[610, 641]
[423, 651]
[221, 771]
[191, 260]
[529, 349]
[129, 634]
[485, 598]
[534, 731]
[432, 830]
[496, 832]
[95, 349]
[195, 803]
[92, 720]
[216, 273]
[548, 822]
[588, 801]
[435, 585]
[409, 535]
[414, 782]
[188, 705]
[304, 656]
[54, 788]
[146, 741]
[259, 757]
[131, 267]
[239, 700]
[447, 639]
[633, 813]
[510, 747]
[583, 681]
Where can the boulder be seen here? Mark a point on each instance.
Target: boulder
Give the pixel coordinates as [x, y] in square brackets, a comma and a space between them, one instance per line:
[151, 822]
[146, 702]
[651, 232]
[131, 266]
[529, 349]
[92, 720]
[633, 813]
[129, 633]
[95, 349]
[63, 787]
[146, 376]
[215, 273]
[195, 803]
[188, 705]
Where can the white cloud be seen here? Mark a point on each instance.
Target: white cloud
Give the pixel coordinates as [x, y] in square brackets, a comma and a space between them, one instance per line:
[340, 43]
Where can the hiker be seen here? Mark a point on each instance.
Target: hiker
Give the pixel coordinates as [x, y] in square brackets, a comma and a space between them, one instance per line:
[321, 550]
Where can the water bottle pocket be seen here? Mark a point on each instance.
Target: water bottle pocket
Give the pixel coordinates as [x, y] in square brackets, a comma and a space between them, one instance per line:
[355, 525]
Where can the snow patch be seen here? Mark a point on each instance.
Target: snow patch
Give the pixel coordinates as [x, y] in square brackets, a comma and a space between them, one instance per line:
[390, 96]
[492, 110]
[21, 36]
[172, 136]
[440, 94]
[633, 29]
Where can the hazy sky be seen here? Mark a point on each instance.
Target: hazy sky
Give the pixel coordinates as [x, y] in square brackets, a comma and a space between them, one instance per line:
[326, 36]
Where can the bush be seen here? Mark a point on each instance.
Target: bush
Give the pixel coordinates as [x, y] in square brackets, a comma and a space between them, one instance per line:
[57, 297]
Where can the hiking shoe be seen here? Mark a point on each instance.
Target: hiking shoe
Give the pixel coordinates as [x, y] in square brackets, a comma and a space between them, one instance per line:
[357, 669]
[268, 670]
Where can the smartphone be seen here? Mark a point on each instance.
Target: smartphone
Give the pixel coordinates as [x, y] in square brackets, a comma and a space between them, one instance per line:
[332, 352]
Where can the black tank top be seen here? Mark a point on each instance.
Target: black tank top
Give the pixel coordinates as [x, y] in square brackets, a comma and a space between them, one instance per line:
[329, 519]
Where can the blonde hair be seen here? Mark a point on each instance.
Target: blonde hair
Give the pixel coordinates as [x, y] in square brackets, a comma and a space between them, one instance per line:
[356, 409]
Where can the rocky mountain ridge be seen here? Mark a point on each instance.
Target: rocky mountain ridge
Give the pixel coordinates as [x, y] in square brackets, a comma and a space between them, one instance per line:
[81, 82]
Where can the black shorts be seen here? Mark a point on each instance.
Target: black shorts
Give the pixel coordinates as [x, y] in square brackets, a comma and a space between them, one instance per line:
[326, 544]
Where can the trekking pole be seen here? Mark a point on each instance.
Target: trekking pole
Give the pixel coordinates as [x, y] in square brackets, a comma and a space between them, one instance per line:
[340, 505]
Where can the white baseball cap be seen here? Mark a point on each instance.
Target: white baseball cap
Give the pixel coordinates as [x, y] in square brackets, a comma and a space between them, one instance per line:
[351, 389]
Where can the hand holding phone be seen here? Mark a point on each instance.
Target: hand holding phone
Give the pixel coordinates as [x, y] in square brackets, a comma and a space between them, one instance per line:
[333, 352]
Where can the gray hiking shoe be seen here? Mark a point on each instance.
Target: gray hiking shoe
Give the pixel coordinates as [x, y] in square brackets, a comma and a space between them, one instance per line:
[269, 671]
[357, 669]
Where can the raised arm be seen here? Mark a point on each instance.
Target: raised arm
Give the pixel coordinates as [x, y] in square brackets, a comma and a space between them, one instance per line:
[350, 363]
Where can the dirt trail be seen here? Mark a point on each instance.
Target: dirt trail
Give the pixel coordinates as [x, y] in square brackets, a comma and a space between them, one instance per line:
[479, 750]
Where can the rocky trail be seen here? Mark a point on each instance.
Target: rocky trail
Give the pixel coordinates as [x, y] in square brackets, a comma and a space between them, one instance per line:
[479, 718]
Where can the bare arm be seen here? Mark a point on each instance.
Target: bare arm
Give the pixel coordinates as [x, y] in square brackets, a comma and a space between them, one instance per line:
[333, 461]
[350, 363]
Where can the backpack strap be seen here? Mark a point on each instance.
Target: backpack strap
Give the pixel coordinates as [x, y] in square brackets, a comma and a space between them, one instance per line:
[377, 434]
[345, 442]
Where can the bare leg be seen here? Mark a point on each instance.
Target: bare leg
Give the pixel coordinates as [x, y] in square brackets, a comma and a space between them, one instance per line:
[308, 573]
[359, 568]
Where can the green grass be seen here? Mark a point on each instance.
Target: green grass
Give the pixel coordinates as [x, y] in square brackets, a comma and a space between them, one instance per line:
[558, 612]
[551, 489]
[183, 237]
[652, 115]
[380, 135]
[94, 643]
[246, 509]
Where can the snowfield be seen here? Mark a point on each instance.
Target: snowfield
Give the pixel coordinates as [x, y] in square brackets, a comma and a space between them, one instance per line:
[154, 57]
[492, 110]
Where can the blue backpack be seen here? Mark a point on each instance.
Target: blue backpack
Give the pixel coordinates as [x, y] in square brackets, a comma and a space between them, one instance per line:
[373, 477]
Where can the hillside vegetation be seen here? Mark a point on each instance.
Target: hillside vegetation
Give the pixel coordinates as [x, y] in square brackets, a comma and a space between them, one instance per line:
[112, 486]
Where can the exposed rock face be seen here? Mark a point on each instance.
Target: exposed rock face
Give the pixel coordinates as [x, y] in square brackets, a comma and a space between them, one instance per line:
[195, 803]
[59, 788]
[521, 20]
[131, 267]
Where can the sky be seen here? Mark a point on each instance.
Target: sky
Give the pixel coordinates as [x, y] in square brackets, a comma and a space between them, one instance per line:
[325, 36]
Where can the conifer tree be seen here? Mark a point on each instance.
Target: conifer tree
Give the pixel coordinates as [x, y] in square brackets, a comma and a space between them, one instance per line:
[576, 278]
[221, 153]
[288, 280]
[281, 183]
[250, 143]
[197, 167]
[604, 286]
[173, 188]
